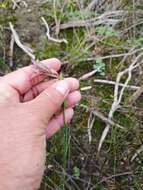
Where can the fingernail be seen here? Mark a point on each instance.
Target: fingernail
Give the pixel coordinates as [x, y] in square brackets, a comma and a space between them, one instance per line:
[62, 87]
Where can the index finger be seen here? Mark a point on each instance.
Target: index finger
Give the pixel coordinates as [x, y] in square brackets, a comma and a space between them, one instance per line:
[24, 79]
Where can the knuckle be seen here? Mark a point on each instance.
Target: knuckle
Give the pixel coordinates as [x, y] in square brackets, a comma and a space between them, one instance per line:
[55, 98]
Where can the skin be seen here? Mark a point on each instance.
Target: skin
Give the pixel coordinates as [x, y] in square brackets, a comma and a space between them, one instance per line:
[30, 112]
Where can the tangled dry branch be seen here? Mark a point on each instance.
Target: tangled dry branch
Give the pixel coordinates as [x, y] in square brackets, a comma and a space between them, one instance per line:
[107, 18]
[26, 49]
[48, 33]
[118, 94]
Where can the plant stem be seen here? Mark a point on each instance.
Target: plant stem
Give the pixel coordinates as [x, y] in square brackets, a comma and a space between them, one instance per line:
[66, 141]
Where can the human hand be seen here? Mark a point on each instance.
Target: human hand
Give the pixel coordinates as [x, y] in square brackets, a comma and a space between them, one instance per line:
[28, 106]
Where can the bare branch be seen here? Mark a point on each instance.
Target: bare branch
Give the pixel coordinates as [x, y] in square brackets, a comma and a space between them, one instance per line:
[115, 175]
[85, 88]
[132, 52]
[88, 75]
[16, 2]
[119, 94]
[108, 18]
[38, 66]
[136, 95]
[130, 87]
[26, 49]
[11, 51]
[48, 33]
[101, 116]
[90, 124]
[137, 153]
[15, 5]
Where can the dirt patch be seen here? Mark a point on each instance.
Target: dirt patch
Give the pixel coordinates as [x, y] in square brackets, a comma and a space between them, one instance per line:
[29, 25]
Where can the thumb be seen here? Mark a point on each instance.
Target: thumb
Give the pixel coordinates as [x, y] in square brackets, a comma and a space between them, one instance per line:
[51, 99]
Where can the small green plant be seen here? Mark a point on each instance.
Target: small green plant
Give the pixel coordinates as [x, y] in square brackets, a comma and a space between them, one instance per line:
[106, 31]
[6, 12]
[76, 172]
[4, 5]
[136, 42]
[99, 66]
[84, 14]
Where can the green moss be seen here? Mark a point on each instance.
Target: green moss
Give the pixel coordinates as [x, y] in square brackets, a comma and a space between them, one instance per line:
[6, 12]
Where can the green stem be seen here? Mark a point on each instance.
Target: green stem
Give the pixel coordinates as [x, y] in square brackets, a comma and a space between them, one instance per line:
[66, 142]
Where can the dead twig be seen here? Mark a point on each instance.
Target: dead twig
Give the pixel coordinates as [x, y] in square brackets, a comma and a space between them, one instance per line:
[101, 116]
[125, 55]
[136, 95]
[112, 18]
[119, 94]
[48, 33]
[85, 88]
[130, 87]
[15, 5]
[114, 176]
[57, 21]
[26, 49]
[38, 66]
[90, 124]
[11, 51]
[88, 75]
[88, 23]
[137, 153]
[23, 2]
